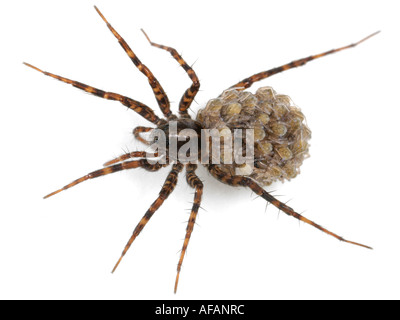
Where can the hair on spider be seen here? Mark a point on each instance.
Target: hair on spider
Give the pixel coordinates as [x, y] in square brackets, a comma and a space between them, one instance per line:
[266, 124]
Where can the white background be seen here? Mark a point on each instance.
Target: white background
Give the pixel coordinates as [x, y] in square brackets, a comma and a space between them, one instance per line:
[64, 247]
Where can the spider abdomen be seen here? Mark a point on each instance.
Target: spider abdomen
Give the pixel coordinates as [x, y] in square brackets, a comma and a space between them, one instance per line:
[280, 132]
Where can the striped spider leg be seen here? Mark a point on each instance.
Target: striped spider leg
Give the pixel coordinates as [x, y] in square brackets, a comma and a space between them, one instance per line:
[247, 82]
[243, 181]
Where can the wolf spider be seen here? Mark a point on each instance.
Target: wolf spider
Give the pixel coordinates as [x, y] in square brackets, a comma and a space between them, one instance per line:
[183, 121]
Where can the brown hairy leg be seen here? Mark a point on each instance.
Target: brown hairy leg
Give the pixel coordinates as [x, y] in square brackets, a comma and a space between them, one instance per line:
[247, 182]
[191, 92]
[194, 181]
[137, 106]
[142, 163]
[166, 190]
[159, 93]
[138, 130]
[129, 155]
[247, 82]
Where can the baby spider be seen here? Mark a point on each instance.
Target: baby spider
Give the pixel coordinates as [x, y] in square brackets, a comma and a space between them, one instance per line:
[274, 129]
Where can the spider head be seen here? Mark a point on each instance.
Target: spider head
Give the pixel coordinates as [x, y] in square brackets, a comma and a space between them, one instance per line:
[180, 139]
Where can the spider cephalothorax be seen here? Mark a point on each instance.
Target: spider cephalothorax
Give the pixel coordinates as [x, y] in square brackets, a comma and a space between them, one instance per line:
[171, 138]
[279, 138]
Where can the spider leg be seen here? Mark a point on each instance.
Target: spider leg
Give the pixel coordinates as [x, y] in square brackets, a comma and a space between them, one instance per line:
[142, 163]
[129, 155]
[166, 190]
[138, 130]
[161, 96]
[137, 106]
[194, 181]
[191, 92]
[247, 182]
[247, 82]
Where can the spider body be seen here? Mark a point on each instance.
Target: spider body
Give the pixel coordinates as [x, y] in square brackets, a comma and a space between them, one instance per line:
[280, 138]
[180, 131]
